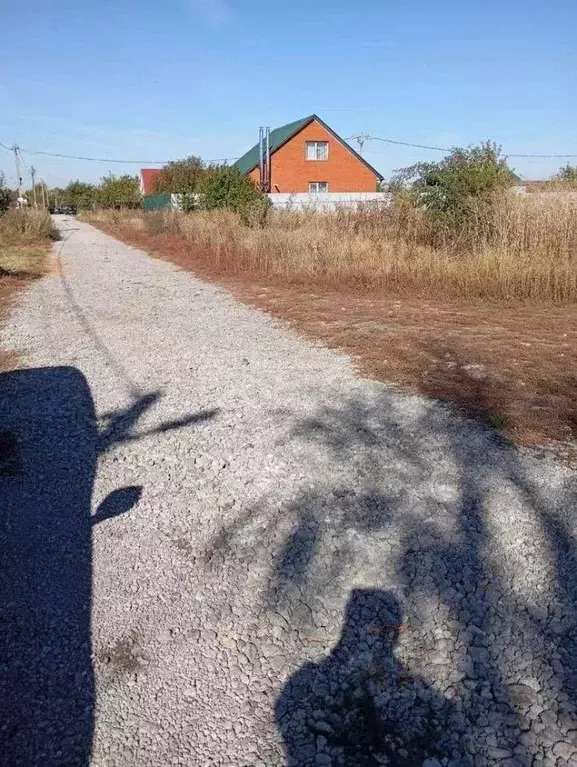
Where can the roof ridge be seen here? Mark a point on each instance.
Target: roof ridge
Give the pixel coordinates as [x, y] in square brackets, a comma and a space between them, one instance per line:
[278, 136]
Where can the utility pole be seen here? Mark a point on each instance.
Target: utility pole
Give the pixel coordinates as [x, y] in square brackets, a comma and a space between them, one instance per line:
[16, 149]
[44, 190]
[360, 138]
[33, 175]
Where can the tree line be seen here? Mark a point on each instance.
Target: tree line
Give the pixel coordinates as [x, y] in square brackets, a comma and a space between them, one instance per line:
[198, 184]
[445, 188]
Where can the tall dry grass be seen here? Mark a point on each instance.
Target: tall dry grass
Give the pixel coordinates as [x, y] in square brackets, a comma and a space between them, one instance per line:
[526, 249]
[26, 226]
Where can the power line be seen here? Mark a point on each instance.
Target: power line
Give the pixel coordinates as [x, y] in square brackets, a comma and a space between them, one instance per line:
[407, 143]
[109, 159]
[360, 138]
[22, 160]
[445, 149]
[95, 159]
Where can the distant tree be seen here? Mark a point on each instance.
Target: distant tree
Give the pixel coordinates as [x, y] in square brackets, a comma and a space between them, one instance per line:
[225, 187]
[79, 193]
[567, 174]
[180, 176]
[6, 195]
[119, 192]
[465, 183]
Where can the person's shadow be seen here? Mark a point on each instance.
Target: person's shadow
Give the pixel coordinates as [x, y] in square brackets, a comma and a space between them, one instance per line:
[360, 706]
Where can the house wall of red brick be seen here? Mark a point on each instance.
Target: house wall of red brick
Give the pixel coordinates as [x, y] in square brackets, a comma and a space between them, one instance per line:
[292, 172]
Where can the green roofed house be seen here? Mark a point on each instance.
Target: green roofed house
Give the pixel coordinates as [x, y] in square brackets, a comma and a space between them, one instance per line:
[308, 156]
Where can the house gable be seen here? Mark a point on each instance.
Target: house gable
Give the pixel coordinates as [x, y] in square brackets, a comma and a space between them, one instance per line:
[343, 171]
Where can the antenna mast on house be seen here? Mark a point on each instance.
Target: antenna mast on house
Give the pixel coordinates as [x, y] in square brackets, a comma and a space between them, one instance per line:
[267, 161]
[264, 158]
[261, 156]
[360, 138]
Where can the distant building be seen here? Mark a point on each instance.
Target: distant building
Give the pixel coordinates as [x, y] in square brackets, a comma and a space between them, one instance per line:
[308, 156]
[147, 178]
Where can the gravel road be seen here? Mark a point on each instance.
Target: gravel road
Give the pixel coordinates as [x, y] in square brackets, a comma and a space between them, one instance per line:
[220, 546]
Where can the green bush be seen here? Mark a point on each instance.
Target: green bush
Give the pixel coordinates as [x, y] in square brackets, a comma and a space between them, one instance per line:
[463, 186]
[225, 187]
[78, 193]
[6, 195]
[567, 175]
[179, 176]
[119, 192]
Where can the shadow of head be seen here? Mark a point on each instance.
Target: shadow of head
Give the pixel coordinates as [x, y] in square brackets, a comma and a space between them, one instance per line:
[118, 502]
[371, 616]
[360, 705]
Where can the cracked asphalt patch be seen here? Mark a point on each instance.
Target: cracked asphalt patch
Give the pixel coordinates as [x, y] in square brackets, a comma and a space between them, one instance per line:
[223, 547]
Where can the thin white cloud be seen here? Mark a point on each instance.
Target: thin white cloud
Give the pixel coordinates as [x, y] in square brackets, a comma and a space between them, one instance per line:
[213, 12]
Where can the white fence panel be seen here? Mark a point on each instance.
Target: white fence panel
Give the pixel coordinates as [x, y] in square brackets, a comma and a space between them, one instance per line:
[326, 201]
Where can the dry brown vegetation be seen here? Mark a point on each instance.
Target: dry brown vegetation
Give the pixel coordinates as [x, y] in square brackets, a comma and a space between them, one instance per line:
[487, 319]
[24, 241]
[528, 249]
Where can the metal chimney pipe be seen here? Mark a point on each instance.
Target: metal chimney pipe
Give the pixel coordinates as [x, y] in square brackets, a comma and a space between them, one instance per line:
[268, 174]
[261, 157]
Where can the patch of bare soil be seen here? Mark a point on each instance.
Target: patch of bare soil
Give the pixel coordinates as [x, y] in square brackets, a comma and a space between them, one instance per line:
[9, 287]
[512, 366]
[13, 281]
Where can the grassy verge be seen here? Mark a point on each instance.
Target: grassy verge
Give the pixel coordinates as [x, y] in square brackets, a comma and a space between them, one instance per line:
[25, 237]
[494, 332]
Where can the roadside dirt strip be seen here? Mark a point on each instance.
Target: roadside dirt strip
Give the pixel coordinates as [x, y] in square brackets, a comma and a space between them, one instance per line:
[220, 546]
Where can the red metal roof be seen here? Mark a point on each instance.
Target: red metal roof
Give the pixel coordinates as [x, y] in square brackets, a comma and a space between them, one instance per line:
[148, 176]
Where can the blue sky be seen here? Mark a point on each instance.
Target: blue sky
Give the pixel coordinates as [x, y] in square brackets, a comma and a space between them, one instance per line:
[162, 79]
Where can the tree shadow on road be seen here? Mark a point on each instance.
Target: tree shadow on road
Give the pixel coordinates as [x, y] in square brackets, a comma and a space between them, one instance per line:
[474, 538]
[48, 456]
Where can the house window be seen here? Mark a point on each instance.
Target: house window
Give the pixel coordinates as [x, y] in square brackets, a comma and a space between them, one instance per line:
[316, 187]
[317, 150]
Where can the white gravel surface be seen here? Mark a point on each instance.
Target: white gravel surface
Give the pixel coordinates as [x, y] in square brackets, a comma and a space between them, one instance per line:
[220, 546]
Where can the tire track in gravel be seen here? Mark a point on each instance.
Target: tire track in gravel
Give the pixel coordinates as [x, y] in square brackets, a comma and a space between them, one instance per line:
[285, 564]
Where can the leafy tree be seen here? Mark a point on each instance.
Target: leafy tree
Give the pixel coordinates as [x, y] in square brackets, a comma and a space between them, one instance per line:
[6, 195]
[567, 174]
[225, 187]
[119, 192]
[180, 176]
[463, 184]
[78, 193]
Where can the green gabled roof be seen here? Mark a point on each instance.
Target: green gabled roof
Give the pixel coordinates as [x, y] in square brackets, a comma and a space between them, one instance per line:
[278, 136]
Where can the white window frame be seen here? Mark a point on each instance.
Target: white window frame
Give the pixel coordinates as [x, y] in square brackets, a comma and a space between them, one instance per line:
[314, 187]
[315, 146]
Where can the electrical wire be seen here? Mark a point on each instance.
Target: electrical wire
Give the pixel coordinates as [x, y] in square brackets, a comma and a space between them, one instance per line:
[445, 149]
[226, 159]
[95, 159]
[101, 159]
[23, 161]
[109, 159]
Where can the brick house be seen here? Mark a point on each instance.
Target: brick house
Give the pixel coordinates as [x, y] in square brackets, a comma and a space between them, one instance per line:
[147, 178]
[308, 156]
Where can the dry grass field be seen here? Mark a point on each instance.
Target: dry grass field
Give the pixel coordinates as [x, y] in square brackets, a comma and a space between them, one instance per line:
[487, 321]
